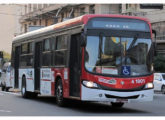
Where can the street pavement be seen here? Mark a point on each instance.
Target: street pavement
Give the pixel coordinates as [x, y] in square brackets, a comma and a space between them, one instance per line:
[12, 104]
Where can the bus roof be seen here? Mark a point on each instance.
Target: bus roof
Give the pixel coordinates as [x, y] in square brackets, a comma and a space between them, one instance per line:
[75, 21]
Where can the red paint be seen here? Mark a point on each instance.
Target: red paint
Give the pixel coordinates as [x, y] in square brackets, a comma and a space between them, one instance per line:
[127, 81]
[59, 72]
[85, 18]
[87, 76]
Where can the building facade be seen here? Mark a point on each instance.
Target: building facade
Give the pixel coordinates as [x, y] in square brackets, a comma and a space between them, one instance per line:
[10, 26]
[157, 19]
[34, 15]
[48, 14]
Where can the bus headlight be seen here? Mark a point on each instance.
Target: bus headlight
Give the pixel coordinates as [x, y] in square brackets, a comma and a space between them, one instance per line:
[149, 86]
[90, 84]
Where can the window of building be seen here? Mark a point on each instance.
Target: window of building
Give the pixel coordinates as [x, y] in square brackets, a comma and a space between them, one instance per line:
[26, 9]
[62, 16]
[34, 23]
[82, 11]
[46, 22]
[92, 9]
[39, 6]
[40, 22]
[126, 6]
[25, 28]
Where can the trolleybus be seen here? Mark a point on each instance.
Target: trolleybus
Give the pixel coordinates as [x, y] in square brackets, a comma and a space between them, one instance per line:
[88, 58]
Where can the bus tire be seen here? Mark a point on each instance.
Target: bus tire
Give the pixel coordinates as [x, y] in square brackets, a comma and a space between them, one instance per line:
[3, 88]
[163, 89]
[23, 88]
[7, 89]
[117, 105]
[33, 95]
[59, 94]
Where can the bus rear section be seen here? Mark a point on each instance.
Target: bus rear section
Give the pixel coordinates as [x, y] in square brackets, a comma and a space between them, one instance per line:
[89, 58]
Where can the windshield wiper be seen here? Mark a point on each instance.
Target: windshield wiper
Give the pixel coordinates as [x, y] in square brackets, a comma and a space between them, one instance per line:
[134, 41]
[131, 46]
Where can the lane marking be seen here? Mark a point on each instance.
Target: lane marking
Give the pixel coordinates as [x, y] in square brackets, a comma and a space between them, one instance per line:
[3, 92]
[5, 111]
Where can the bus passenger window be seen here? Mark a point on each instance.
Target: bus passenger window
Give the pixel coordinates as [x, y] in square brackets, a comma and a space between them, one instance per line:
[46, 45]
[61, 42]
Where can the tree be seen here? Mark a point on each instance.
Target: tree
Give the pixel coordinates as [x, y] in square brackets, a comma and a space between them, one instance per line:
[159, 63]
[6, 57]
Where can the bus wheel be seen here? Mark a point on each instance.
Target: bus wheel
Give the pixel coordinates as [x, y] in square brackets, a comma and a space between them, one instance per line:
[33, 95]
[59, 93]
[163, 89]
[23, 88]
[117, 105]
[3, 88]
[7, 89]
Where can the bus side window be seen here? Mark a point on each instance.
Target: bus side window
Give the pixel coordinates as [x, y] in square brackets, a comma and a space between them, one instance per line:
[61, 50]
[26, 54]
[46, 53]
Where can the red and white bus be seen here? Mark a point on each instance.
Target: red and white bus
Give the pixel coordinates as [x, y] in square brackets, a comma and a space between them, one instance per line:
[88, 58]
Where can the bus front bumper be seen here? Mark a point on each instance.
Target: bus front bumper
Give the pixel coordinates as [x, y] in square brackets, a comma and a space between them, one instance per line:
[89, 94]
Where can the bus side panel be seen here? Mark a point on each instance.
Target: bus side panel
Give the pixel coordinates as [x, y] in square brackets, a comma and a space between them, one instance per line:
[48, 77]
[12, 77]
[45, 81]
[66, 82]
[63, 73]
[29, 74]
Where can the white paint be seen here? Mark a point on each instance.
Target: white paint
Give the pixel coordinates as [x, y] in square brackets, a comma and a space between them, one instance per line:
[29, 73]
[45, 88]
[45, 73]
[89, 94]
[5, 111]
[46, 76]
[53, 73]
[11, 93]
[12, 75]
[65, 74]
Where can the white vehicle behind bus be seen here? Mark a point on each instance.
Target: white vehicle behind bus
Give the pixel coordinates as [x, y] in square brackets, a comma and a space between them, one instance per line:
[6, 83]
[159, 82]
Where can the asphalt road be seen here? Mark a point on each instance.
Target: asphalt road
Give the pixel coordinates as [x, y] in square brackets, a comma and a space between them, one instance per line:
[12, 104]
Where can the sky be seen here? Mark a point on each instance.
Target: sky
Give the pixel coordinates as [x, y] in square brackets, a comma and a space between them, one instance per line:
[7, 27]
[8, 22]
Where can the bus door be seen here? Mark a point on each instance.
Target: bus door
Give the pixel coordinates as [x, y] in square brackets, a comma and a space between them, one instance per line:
[37, 64]
[16, 66]
[75, 65]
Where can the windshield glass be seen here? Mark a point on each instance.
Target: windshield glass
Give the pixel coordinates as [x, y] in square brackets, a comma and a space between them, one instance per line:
[118, 55]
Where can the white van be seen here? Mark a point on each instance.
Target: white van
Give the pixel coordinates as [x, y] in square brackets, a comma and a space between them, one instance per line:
[159, 82]
[5, 77]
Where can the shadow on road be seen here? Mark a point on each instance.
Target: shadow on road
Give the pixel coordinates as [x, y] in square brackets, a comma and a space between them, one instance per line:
[90, 107]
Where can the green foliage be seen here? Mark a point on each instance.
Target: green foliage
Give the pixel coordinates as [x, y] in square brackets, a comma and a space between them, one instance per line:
[159, 63]
[6, 56]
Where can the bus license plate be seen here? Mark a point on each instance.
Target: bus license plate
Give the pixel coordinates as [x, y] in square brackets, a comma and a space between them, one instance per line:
[122, 100]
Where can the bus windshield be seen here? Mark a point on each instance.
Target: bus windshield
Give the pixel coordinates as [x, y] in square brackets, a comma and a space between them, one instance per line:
[108, 55]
